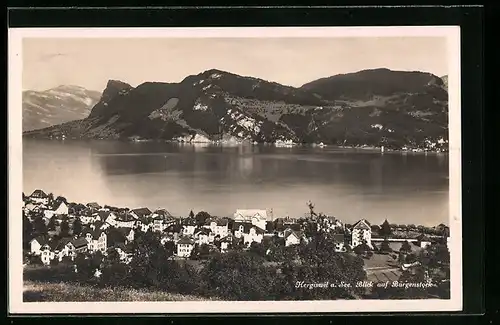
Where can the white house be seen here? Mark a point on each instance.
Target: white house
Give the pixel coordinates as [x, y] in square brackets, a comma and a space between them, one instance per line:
[36, 244]
[86, 218]
[140, 213]
[63, 249]
[256, 217]
[292, 237]
[188, 227]
[361, 231]
[203, 236]
[124, 221]
[224, 246]
[46, 254]
[109, 218]
[60, 209]
[39, 196]
[97, 240]
[184, 247]
[162, 219]
[221, 228]
[255, 234]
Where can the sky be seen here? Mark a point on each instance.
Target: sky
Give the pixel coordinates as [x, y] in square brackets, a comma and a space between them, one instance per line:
[91, 62]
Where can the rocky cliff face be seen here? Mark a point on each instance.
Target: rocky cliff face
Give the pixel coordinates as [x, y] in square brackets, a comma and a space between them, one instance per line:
[42, 109]
[373, 107]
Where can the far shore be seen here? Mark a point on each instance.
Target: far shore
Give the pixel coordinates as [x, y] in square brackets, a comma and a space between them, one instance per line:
[248, 143]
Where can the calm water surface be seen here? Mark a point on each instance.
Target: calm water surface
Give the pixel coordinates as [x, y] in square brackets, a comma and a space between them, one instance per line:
[404, 188]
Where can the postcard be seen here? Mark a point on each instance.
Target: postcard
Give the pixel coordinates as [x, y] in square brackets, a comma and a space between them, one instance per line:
[234, 170]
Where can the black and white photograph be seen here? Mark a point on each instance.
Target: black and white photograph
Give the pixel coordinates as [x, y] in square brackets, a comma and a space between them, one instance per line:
[234, 170]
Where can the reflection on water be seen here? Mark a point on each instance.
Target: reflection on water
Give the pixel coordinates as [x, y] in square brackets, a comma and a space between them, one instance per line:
[409, 188]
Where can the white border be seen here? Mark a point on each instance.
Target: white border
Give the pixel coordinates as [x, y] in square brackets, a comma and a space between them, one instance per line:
[17, 306]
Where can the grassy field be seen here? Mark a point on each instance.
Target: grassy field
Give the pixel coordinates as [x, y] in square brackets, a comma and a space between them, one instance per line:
[64, 292]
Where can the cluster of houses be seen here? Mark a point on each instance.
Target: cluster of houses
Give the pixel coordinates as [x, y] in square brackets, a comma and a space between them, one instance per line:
[105, 228]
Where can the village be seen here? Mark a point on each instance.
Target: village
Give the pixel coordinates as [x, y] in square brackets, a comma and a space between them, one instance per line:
[69, 229]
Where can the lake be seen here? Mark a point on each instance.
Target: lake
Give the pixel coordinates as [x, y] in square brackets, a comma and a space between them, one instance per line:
[349, 184]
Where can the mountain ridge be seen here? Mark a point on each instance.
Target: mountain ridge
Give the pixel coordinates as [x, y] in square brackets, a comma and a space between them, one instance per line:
[408, 109]
[64, 103]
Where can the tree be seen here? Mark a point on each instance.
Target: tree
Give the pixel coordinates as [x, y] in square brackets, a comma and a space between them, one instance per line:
[64, 232]
[170, 248]
[201, 217]
[375, 229]
[39, 226]
[385, 247]
[77, 226]
[258, 249]
[237, 276]
[51, 226]
[61, 199]
[191, 214]
[27, 231]
[385, 229]
[312, 213]
[114, 272]
[406, 247]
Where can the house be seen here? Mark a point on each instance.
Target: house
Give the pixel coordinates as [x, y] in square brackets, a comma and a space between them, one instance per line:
[78, 245]
[339, 241]
[122, 251]
[86, 217]
[169, 238]
[203, 236]
[140, 212]
[98, 225]
[225, 243]
[361, 232]
[185, 247]
[96, 239]
[59, 208]
[144, 224]
[124, 221]
[37, 243]
[93, 206]
[221, 227]
[293, 237]
[423, 241]
[188, 226]
[240, 228]
[39, 196]
[256, 217]
[31, 207]
[162, 219]
[255, 234]
[108, 217]
[62, 249]
[46, 254]
[127, 232]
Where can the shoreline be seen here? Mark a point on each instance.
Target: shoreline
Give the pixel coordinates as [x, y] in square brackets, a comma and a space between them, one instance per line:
[250, 143]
